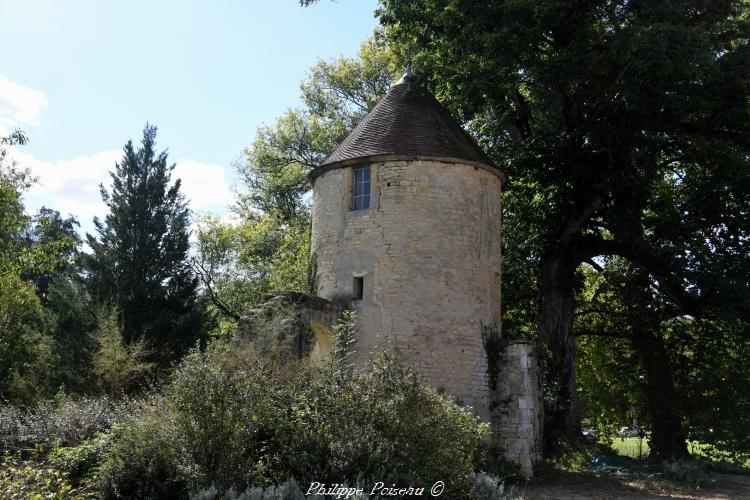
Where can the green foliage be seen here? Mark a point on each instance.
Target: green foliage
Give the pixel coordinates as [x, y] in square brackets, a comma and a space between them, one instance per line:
[706, 364]
[711, 359]
[21, 480]
[117, 364]
[241, 264]
[227, 421]
[609, 388]
[18, 303]
[32, 252]
[384, 424]
[344, 90]
[729, 459]
[609, 372]
[276, 166]
[57, 240]
[72, 321]
[226, 417]
[623, 128]
[62, 421]
[140, 257]
[231, 286]
[80, 463]
[145, 461]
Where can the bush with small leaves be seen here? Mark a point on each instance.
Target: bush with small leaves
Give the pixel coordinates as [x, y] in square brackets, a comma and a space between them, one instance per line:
[146, 460]
[227, 415]
[385, 423]
[237, 426]
[80, 462]
[64, 421]
[488, 487]
[24, 479]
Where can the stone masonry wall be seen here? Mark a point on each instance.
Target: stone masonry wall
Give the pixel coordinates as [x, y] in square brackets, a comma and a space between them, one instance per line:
[299, 322]
[428, 250]
[517, 407]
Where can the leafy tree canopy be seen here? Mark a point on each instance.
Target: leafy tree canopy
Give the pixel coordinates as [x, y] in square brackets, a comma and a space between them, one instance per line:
[623, 128]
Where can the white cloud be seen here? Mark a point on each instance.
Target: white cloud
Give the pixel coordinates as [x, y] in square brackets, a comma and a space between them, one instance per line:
[19, 105]
[72, 186]
[203, 184]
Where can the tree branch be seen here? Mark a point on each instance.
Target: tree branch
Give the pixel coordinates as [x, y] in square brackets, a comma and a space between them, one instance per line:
[205, 277]
[656, 266]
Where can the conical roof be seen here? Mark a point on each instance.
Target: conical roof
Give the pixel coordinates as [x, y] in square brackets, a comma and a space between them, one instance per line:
[407, 125]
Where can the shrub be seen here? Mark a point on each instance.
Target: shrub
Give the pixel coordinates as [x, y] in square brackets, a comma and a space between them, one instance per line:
[116, 363]
[63, 421]
[30, 479]
[382, 424]
[290, 490]
[80, 462]
[236, 426]
[146, 460]
[487, 487]
[226, 414]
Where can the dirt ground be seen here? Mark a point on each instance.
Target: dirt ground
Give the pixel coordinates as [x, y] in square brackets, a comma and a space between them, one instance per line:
[586, 486]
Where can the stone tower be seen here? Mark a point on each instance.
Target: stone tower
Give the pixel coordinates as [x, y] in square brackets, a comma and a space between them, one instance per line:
[406, 230]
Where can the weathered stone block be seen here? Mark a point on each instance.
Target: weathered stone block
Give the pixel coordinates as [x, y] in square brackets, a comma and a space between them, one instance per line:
[294, 323]
[516, 403]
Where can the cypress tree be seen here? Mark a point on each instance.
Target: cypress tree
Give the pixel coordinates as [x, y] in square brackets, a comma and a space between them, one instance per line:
[139, 261]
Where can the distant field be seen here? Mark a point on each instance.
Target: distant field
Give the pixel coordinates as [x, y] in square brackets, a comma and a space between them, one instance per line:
[629, 447]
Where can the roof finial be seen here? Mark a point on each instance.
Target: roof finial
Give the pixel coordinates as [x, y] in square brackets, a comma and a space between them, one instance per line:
[408, 68]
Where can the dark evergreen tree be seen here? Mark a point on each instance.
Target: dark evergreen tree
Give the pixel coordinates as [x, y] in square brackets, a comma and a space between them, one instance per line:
[139, 261]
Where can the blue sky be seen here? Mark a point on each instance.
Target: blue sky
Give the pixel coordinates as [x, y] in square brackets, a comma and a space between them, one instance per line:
[83, 77]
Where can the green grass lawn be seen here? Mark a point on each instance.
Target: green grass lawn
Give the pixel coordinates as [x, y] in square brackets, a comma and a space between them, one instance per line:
[631, 447]
[638, 449]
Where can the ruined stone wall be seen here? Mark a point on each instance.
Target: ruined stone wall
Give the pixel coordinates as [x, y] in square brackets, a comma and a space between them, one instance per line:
[295, 322]
[517, 407]
[428, 250]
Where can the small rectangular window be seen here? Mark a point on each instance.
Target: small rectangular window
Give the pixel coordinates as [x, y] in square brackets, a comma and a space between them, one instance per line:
[359, 288]
[361, 188]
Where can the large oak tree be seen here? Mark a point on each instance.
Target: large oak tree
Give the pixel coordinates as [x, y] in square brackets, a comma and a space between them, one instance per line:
[592, 107]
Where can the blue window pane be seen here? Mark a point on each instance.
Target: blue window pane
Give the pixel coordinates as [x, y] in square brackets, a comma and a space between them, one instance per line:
[361, 188]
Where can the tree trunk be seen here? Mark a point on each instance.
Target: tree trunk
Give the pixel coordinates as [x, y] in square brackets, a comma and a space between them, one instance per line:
[556, 293]
[667, 437]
